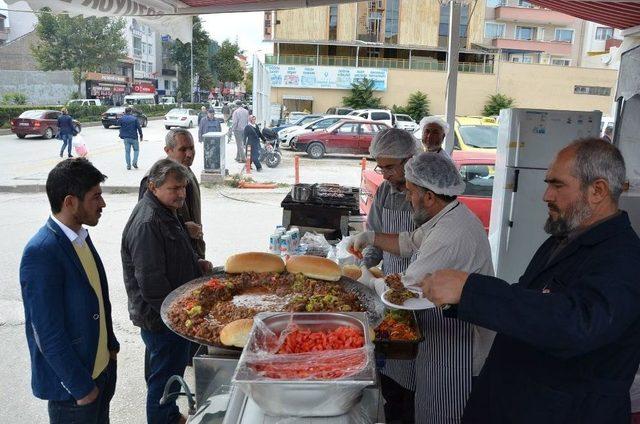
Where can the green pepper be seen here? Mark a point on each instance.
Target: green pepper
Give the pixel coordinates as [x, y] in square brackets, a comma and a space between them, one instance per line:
[196, 310]
[309, 307]
[188, 323]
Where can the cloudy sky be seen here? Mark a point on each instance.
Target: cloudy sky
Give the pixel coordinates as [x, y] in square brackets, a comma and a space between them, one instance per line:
[245, 27]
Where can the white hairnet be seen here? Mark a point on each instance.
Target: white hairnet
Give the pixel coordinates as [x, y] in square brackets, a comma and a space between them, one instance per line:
[434, 172]
[393, 143]
[434, 120]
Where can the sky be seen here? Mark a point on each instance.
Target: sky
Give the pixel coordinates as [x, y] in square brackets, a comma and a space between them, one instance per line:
[246, 27]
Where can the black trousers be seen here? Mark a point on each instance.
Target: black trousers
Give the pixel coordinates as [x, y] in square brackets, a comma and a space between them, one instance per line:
[398, 407]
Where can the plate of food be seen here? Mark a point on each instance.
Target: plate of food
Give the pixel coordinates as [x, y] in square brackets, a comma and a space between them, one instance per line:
[218, 310]
[400, 297]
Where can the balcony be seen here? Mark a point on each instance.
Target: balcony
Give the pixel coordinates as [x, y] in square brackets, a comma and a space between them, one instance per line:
[534, 16]
[417, 63]
[169, 72]
[552, 47]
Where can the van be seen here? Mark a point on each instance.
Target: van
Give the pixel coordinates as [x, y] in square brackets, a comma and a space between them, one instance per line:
[140, 99]
[380, 115]
[84, 102]
[338, 110]
[167, 100]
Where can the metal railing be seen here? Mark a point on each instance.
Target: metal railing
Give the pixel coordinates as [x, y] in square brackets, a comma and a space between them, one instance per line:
[416, 63]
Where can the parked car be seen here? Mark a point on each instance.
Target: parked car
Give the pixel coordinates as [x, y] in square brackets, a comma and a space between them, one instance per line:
[472, 133]
[167, 100]
[477, 169]
[185, 118]
[339, 110]
[84, 102]
[111, 116]
[294, 116]
[301, 121]
[288, 134]
[347, 136]
[140, 99]
[406, 122]
[380, 115]
[43, 123]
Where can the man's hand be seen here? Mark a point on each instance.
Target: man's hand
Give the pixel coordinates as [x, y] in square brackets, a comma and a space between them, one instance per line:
[359, 242]
[91, 397]
[113, 355]
[205, 266]
[444, 287]
[194, 230]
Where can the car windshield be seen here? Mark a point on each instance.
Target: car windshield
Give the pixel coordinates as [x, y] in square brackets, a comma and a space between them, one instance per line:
[324, 123]
[115, 110]
[179, 111]
[403, 118]
[482, 136]
[32, 114]
[306, 120]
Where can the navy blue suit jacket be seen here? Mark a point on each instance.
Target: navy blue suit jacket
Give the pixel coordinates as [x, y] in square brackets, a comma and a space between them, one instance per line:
[568, 342]
[129, 127]
[61, 315]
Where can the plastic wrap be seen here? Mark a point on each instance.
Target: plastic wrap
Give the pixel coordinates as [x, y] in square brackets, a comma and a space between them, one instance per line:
[315, 244]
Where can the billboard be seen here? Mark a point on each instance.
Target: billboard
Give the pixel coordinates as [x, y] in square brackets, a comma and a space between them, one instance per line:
[332, 77]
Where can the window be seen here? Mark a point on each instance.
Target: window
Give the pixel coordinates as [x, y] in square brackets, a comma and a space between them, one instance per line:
[495, 3]
[443, 29]
[137, 46]
[604, 33]
[564, 35]
[368, 128]
[350, 128]
[137, 65]
[333, 22]
[525, 33]
[167, 85]
[523, 3]
[478, 180]
[481, 136]
[561, 62]
[527, 59]
[380, 116]
[391, 21]
[493, 30]
[594, 91]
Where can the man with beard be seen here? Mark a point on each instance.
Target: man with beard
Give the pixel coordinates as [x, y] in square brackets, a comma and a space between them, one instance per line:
[66, 302]
[448, 235]
[568, 342]
[157, 258]
[434, 130]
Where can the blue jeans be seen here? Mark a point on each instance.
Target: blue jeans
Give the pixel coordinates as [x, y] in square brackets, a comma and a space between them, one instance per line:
[168, 355]
[66, 142]
[97, 412]
[128, 144]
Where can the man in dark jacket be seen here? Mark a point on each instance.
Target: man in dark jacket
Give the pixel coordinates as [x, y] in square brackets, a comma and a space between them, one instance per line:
[129, 131]
[66, 302]
[253, 135]
[568, 342]
[65, 131]
[157, 258]
[209, 124]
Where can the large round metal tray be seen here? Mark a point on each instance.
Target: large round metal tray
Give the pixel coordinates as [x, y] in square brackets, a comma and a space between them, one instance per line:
[369, 299]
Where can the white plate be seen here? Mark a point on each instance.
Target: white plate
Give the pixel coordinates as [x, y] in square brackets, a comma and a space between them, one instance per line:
[413, 304]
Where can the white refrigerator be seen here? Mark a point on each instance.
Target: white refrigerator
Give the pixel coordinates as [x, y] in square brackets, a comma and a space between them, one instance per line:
[528, 140]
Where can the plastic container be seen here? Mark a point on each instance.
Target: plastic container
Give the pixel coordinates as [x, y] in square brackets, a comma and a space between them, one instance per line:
[400, 349]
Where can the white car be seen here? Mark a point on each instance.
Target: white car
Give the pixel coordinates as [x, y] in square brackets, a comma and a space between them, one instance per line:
[287, 134]
[294, 116]
[185, 118]
[380, 115]
[84, 102]
[405, 122]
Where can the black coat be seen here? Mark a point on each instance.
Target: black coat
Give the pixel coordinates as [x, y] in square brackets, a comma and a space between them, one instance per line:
[568, 343]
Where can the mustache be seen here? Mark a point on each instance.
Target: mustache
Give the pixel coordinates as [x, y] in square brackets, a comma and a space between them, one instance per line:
[553, 207]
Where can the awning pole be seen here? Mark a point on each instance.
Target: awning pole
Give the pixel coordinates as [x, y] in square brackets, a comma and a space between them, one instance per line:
[452, 71]
[191, 63]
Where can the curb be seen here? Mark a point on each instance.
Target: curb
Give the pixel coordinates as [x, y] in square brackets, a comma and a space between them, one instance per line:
[7, 131]
[41, 188]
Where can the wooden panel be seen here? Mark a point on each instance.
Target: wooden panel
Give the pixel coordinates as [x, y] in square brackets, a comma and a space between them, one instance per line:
[419, 21]
[308, 24]
[347, 22]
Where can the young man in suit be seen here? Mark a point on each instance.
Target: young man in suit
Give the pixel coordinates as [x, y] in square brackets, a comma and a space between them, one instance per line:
[66, 301]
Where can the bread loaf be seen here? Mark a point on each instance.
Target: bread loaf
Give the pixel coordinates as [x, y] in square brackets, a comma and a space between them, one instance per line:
[236, 333]
[314, 267]
[254, 262]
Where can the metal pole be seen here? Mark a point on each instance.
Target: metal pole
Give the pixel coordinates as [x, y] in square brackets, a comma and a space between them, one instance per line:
[452, 71]
[318, 55]
[191, 62]
[357, 54]
[409, 58]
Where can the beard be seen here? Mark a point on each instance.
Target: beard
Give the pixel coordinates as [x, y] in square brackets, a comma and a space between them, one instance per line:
[420, 217]
[576, 213]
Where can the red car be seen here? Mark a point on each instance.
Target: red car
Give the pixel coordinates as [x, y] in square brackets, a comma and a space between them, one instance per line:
[43, 123]
[346, 137]
[477, 169]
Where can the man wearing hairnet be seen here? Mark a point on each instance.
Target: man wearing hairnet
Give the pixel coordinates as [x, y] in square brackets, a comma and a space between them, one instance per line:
[391, 213]
[434, 130]
[448, 233]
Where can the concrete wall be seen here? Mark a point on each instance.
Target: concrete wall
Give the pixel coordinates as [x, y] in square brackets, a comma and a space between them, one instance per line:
[308, 24]
[532, 86]
[40, 87]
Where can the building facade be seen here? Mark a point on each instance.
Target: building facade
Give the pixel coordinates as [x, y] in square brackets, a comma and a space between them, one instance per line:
[168, 72]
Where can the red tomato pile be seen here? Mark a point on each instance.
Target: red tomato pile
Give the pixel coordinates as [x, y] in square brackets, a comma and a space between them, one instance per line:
[302, 341]
[214, 283]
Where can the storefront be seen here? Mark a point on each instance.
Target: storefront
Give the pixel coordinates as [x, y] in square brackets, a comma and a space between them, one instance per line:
[109, 88]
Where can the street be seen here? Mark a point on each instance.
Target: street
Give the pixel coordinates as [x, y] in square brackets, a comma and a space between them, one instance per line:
[234, 220]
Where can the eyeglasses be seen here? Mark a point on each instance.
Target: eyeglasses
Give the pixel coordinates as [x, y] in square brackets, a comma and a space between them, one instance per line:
[389, 169]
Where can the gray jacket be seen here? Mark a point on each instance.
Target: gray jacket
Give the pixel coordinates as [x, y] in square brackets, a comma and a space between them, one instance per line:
[157, 257]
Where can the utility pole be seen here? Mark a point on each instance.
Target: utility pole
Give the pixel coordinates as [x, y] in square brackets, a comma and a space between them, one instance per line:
[192, 63]
[452, 71]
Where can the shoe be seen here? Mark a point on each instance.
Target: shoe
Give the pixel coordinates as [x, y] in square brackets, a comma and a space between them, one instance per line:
[128, 167]
[60, 154]
[135, 165]
[70, 156]
[259, 170]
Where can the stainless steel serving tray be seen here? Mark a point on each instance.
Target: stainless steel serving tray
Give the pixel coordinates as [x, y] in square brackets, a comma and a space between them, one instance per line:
[369, 299]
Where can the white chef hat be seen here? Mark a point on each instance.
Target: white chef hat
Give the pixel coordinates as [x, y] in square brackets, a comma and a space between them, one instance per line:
[434, 120]
[393, 143]
[434, 172]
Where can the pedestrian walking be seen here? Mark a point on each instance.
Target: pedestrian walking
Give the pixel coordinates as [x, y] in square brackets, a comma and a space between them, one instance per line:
[253, 136]
[240, 119]
[65, 131]
[130, 129]
[202, 114]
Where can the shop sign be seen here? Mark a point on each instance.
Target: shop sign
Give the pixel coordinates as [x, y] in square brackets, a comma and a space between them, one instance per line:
[106, 89]
[96, 76]
[144, 88]
[332, 77]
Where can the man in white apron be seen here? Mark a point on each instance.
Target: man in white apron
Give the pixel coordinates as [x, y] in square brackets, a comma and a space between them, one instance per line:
[448, 233]
[391, 213]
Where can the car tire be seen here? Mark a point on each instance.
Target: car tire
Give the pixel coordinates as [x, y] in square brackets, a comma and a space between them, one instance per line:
[106, 126]
[144, 123]
[315, 150]
[48, 133]
[21, 135]
[167, 127]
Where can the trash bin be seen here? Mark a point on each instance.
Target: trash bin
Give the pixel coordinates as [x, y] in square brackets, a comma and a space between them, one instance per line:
[215, 168]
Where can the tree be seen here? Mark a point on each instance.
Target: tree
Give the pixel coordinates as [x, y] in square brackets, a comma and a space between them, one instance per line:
[399, 109]
[361, 96]
[495, 103]
[418, 106]
[181, 56]
[78, 44]
[225, 65]
[248, 82]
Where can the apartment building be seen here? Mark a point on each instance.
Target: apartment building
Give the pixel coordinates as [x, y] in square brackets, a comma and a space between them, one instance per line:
[600, 46]
[166, 71]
